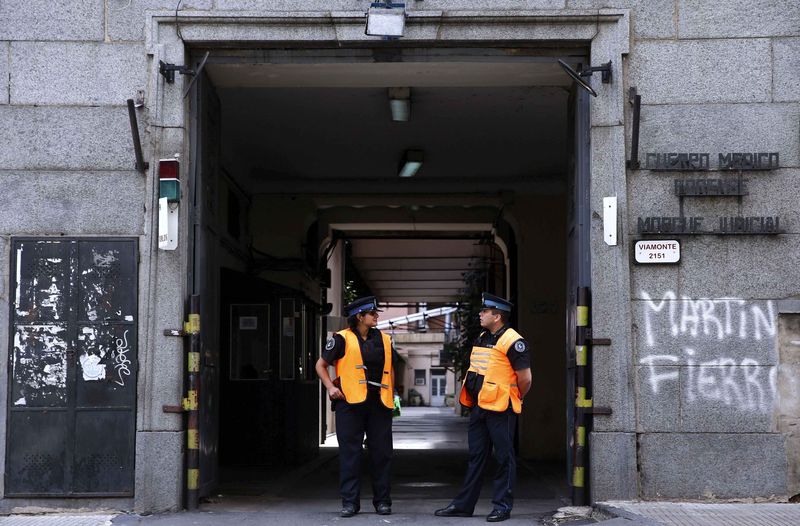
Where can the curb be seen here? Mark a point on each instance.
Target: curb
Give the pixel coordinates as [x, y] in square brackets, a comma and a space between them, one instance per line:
[613, 512]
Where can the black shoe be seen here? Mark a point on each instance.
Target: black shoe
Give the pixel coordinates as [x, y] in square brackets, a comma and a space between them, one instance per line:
[498, 516]
[383, 509]
[348, 511]
[452, 511]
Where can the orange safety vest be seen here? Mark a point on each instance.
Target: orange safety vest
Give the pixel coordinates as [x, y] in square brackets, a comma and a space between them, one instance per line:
[352, 372]
[499, 378]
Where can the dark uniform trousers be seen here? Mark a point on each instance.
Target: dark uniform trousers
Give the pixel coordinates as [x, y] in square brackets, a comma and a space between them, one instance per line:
[352, 421]
[487, 429]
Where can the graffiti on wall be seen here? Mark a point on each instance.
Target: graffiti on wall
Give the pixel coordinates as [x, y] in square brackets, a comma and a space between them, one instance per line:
[719, 349]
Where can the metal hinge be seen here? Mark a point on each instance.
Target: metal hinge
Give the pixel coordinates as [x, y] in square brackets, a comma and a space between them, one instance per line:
[591, 340]
[190, 327]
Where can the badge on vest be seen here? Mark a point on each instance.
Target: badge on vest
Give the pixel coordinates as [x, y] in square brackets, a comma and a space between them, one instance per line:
[330, 345]
[520, 346]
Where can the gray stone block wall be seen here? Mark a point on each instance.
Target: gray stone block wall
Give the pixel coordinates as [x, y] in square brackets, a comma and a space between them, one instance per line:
[415, 5]
[737, 18]
[72, 203]
[76, 73]
[788, 409]
[66, 138]
[702, 71]
[649, 18]
[613, 472]
[707, 392]
[45, 20]
[159, 473]
[786, 60]
[711, 465]
[5, 53]
[744, 267]
[769, 194]
[719, 128]
[126, 18]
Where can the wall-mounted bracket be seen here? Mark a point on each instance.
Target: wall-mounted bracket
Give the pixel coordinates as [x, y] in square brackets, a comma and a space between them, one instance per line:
[168, 70]
[636, 101]
[140, 165]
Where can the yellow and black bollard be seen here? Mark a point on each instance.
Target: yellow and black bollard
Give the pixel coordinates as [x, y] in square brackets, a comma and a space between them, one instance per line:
[584, 407]
[582, 399]
[190, 405]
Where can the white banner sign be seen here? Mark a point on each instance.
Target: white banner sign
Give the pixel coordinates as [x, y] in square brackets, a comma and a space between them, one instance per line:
[167, 225]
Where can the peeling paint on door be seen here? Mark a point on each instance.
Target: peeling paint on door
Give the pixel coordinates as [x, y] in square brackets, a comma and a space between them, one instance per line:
[72, 388]
[39, 364]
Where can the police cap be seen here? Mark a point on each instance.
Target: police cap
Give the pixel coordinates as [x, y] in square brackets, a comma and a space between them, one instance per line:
[490, 301]
[365, 304]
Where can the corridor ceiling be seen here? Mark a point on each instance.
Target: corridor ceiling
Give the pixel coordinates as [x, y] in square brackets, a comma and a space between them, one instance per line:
[488, 127]
[414, 270]
[328, 127]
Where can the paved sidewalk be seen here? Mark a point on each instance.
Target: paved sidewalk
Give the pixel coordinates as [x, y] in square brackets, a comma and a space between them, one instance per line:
[700, 514]
[84, 519]
[429, 462]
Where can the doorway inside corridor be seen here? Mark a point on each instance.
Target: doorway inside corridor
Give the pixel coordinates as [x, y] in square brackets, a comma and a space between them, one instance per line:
[300, 206]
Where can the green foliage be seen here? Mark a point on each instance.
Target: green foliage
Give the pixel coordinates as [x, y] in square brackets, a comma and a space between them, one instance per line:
[468, 321]
[350, 291]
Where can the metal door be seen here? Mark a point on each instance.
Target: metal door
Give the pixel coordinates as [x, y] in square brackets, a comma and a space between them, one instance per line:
[204, 268]
[72, 368]
[578, 268]
[438, 384]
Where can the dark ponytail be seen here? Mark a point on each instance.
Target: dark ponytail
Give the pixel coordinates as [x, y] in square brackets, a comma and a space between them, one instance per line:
[352, 322]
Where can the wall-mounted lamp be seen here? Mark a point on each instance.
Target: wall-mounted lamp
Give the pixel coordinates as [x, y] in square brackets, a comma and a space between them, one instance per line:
[411, 163]
[400, 103]
[169, 197]
[605, 69]
[386, 19]
[168, 182]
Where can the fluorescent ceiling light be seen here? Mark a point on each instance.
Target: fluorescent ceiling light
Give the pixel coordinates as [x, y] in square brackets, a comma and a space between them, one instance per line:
[400, 103]
[386, 20]
[412, 161]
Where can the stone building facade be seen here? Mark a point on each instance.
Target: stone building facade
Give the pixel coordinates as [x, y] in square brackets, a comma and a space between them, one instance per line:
[702, 370]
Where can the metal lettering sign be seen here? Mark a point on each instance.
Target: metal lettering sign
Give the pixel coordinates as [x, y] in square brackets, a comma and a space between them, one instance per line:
[657, 251]
[730, 225]
[710, 187]
[701, 162]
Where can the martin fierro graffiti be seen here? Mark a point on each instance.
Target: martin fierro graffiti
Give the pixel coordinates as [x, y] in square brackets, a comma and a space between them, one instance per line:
[719, 349]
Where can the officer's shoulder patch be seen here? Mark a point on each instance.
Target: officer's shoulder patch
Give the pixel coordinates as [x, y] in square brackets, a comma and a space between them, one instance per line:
[520, 346]
[330, 344]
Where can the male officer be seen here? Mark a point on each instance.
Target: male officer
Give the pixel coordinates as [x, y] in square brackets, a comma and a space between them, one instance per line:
[498, 378]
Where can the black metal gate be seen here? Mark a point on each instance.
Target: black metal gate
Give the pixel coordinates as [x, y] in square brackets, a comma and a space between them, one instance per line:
[72, 367]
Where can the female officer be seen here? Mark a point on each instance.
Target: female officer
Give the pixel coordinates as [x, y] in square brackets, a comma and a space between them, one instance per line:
[362, 394]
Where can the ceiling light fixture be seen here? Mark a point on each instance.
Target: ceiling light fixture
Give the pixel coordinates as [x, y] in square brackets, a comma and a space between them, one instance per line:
[400, 103]
[411, 163]
[386, 19]
[578, 76]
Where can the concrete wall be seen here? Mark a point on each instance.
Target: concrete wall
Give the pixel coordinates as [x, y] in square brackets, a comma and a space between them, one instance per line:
[704, 332]
[710, 79]
[67, 168]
